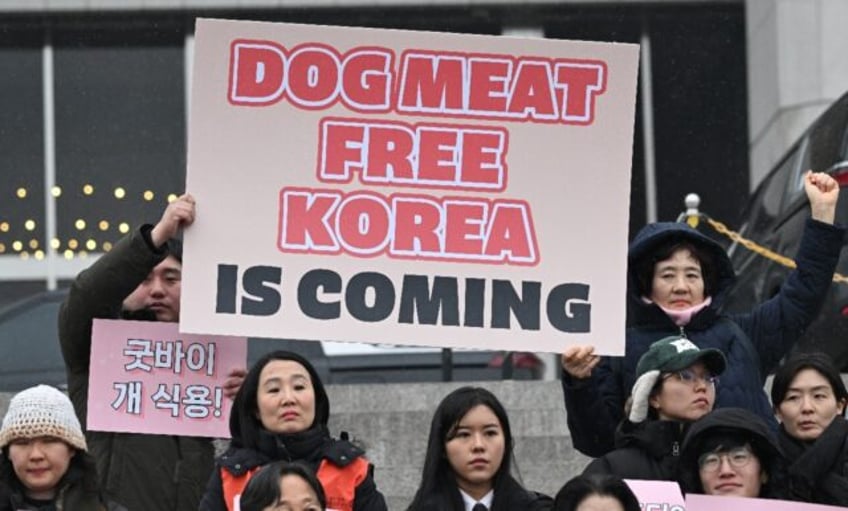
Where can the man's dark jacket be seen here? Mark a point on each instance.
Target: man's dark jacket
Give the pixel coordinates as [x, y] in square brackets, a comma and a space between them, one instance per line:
[142, 472]
[753, 343]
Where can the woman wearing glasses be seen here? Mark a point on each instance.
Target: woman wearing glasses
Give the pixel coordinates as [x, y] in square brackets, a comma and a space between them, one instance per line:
[675, 386]
[731, 452]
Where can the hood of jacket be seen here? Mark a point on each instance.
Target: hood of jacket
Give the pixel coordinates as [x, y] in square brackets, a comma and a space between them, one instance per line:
[735, 421]
[647, 241]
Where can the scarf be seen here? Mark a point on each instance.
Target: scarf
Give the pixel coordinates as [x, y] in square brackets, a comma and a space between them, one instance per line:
[814, 471]
[681, 317]
[304, 446]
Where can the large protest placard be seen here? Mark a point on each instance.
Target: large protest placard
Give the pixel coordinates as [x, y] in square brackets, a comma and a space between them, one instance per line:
[408, 187]
[146, 377]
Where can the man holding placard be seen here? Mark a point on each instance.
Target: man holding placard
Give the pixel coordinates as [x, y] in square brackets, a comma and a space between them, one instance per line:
[140, 278]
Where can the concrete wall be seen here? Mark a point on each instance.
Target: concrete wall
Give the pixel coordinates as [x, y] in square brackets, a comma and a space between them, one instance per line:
[796, 68]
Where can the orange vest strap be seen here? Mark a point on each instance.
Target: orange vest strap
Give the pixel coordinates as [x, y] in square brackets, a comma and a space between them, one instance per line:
[233, 485]
[340, 482]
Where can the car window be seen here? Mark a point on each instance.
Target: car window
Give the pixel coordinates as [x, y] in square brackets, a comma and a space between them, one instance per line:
[770, 196]
[827, 138]
[795, 183]
[824, 146]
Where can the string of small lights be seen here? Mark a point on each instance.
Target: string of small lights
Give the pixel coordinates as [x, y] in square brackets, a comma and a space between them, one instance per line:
[22, 239]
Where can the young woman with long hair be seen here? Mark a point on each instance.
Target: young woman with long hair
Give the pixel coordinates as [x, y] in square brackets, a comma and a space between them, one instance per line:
[469, 452]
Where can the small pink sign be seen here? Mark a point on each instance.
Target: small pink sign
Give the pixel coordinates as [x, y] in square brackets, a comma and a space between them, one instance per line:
[657, 495]
[147, 377]
[718, 503]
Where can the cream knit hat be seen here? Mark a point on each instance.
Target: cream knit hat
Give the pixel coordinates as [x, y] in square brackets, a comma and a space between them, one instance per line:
[41, 411]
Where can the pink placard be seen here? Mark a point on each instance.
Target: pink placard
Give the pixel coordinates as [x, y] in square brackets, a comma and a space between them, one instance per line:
[717, 503]
[146, 377]
[405, 187]
[657, 495]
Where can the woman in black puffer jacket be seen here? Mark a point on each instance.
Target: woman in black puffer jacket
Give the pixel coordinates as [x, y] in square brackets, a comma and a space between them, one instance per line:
[281, 413]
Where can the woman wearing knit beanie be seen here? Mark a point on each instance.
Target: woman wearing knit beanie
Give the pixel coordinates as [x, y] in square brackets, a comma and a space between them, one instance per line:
[45, 465]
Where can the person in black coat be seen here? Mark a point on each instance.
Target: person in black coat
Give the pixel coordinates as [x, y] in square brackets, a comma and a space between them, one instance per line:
[281, 413]
[675, 387]
[678, 280]
[467, 465]
[809, 398]
[731, 452]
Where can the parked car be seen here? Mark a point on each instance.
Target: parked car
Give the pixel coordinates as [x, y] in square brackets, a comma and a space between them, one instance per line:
[774, 218]
[30, 354]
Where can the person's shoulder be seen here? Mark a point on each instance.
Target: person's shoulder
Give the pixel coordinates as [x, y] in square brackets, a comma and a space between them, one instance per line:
[240, 459]
[342, 452]
[518, 497]
[535, 501]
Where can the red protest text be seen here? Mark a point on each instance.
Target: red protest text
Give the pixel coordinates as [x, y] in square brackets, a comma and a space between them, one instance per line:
[315, 76]
[366, 224]
[310, 76]
[500, 86]
[422, 155]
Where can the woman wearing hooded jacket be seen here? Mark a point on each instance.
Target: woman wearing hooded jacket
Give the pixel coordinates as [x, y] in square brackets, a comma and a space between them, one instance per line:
[675, 386]
[678, 279]
[731, 452]
[281, 413]
[809, 398]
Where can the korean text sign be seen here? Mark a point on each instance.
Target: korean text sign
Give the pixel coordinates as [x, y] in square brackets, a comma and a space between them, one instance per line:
[695, 502]
[146, 377]
[408, 187]
[657, 495]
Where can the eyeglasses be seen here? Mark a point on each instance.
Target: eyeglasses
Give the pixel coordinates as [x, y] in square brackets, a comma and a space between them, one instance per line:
[689, 376]
[737, 457]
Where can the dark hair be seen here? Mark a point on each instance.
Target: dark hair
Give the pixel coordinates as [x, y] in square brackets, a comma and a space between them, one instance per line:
[175, 248]
[82, 472]
[656, 390]
[244, 421]
[263, 489]
[438, 488]
[645, 265]
[815, 360]
[579, 488]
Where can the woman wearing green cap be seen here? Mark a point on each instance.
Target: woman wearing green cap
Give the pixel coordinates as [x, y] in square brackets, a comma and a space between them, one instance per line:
[675, 386]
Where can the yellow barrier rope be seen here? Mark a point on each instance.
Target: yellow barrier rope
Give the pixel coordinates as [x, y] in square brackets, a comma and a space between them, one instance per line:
[754, 247]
